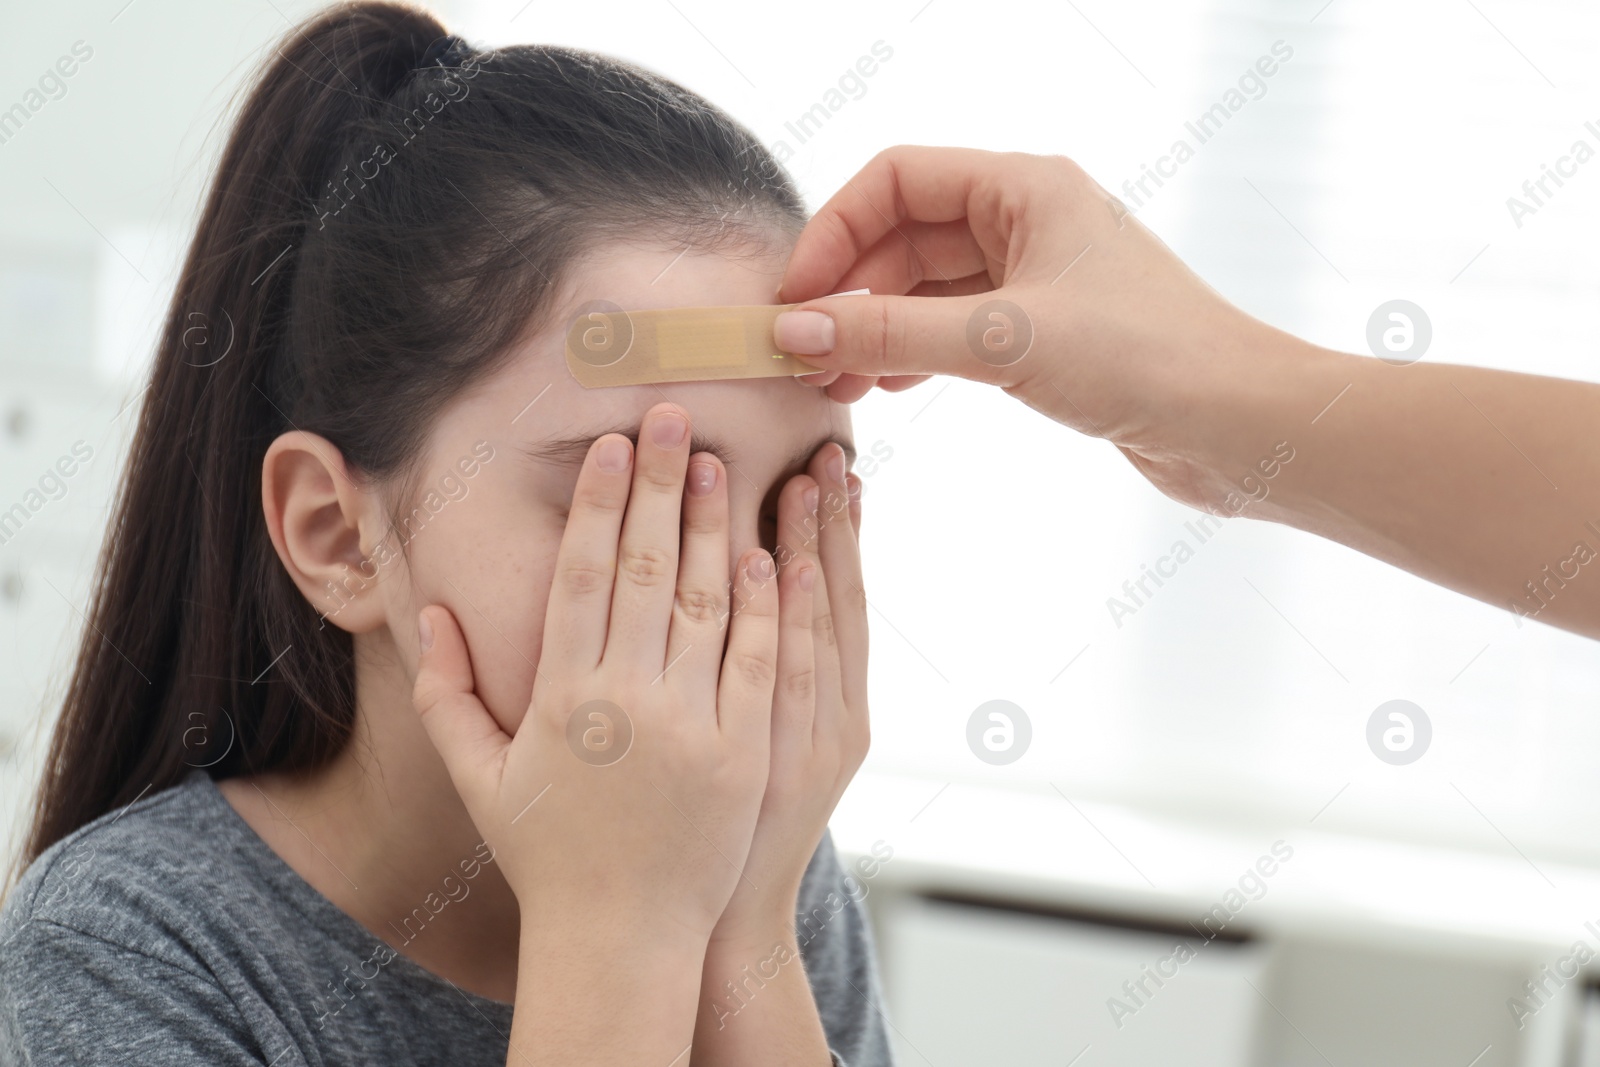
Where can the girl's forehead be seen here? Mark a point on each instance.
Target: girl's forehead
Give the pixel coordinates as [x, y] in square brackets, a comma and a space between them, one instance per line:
[537, 403]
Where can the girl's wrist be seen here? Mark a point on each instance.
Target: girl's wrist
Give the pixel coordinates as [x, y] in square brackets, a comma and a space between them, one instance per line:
[753, 920]
[563, 973]
[605, 939]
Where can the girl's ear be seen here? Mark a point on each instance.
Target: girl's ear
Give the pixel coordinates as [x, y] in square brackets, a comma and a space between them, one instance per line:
[326, 529]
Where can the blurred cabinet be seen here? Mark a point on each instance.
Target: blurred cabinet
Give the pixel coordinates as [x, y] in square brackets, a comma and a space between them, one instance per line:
[977, 986]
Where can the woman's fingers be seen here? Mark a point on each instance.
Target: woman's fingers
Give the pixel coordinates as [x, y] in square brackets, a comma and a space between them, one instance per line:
[750, 662]
[579, 608]
[972, 283]
[877, 336]
[851, 387]
[647, 554]
[694, 641]
[930, 185]
[468, 739]
[918, 252]
[899, 383]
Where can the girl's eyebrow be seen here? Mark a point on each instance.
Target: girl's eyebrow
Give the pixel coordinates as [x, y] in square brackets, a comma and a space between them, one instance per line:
[571, 449]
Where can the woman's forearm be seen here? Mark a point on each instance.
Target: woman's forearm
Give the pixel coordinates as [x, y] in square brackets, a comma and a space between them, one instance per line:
[602, 996]
[1480, 480]
[756, 1006]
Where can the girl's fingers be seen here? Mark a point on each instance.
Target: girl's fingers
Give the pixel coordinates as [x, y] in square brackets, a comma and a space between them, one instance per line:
[900, 183]
[647, 555]
[854, 482]
[794, 699]
[694, 640]
[471, 743]
[750, 663]
[840, 554]
[799, 523]
[579, 608]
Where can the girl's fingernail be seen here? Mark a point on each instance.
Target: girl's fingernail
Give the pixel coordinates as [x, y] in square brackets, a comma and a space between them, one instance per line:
[853, 487]
[805, 333]
[669, 429]
[807, 578]
[424, 632]
[835, 465]
[762, 567]
[613, 455]
[810, 498]
[702, 479]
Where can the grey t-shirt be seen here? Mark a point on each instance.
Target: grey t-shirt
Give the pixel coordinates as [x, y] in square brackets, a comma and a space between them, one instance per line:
[168, 933]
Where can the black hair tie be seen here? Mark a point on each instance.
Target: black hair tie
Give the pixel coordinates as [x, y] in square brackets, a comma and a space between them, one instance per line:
[447, 51]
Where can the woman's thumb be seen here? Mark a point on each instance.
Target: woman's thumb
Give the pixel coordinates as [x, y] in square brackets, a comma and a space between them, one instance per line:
[468, 738]
[981, 337]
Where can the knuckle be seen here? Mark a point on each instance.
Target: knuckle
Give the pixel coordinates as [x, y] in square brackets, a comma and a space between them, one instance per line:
[699, 605]
[853, 598]
[822, 626]
[889, 340]
[800, 684]
[754, 670]
[583, 578]
[645, 565]
[604, 501]
[663, 477]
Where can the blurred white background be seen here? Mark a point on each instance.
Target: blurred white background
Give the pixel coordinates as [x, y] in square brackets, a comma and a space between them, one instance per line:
[1230, 710]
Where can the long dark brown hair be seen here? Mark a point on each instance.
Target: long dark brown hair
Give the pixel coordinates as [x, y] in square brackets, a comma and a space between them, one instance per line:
[391, 210]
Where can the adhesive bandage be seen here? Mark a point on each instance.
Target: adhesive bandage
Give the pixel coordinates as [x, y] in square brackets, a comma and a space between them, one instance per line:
[608, 346]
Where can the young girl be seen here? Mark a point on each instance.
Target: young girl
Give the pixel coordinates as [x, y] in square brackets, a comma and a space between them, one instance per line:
[417, 718]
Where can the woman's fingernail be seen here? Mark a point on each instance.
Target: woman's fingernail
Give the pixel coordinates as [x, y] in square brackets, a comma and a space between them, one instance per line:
[613, 455]
[807, 578]
[810, 498]
[424, 632]
[805, 333]
[668, 429]
[835, 465]
[762, 567]
[853, 487]
[702, 479]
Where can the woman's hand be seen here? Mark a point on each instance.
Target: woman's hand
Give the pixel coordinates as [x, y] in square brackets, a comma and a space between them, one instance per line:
[1102, 328]
[1094, 322]
[622, 852]
[819, 738]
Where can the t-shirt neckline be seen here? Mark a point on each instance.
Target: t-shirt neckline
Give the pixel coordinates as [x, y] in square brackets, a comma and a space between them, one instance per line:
[331, 919]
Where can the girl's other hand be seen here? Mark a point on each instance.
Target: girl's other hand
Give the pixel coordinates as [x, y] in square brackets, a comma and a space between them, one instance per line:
[819, 738]
[820, 730]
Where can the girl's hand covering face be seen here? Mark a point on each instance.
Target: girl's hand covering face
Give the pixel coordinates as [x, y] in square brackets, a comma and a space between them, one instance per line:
[625, 804]
[819, 711]
[687, 738]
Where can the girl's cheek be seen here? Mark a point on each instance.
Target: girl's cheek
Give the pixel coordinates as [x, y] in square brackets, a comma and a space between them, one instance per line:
[494, 573]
